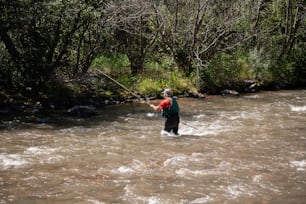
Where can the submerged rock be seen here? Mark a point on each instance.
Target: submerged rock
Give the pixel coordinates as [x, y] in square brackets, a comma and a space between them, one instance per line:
[82, 111]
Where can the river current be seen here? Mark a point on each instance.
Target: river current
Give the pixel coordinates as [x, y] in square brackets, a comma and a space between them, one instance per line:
[246, 149]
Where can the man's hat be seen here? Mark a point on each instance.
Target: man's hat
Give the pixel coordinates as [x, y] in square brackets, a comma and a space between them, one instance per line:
[167, 92]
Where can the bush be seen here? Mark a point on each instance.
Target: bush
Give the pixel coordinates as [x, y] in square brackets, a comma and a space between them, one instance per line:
[154, 83]
[226, 70]
[229, 70]
[151, 86]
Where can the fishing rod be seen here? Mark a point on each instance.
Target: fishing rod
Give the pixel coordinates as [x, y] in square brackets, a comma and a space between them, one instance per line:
[121, 85]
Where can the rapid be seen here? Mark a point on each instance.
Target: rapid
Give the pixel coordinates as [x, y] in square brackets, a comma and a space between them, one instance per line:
[246, 149]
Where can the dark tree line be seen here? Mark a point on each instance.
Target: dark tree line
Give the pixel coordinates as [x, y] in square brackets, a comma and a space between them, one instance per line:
[47, 39]
[42, 38]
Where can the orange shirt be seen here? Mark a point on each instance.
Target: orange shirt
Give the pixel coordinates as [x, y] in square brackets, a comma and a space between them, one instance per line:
[164, 104]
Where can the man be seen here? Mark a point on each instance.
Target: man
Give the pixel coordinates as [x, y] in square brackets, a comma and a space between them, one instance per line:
[170, 110]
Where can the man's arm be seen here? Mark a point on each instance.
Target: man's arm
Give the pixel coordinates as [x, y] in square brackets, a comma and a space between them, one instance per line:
[156, 108]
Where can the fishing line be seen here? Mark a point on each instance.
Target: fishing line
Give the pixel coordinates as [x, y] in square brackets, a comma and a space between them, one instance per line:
[184, 123]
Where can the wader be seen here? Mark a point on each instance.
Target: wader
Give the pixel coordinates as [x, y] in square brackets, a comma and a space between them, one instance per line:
[172, 117]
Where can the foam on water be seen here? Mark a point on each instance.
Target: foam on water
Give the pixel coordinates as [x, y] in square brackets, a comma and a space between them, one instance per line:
[198, 128]
[150, 115]
[30, 155]
[184, 172]
[206, 199]
[299, 165]
[154, 200]
[168, 134]
[234, 191]
[298, 108]
[204, 125]
[257, 178]
[12, 160]
[40, 150]
[135, 167]
[43, 155]
[131, 196]
[123, 170]
[94, 201]
[175, 160]
[178, 160]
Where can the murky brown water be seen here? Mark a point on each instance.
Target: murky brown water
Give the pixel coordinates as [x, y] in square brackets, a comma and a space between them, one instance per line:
[248, 149]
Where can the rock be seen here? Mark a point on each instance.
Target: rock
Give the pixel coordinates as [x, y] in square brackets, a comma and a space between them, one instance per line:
[229, 92]
[82, 111]
[250, 86]
[195, 94]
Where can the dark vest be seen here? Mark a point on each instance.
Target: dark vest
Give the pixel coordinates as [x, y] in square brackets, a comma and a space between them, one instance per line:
[173, 109]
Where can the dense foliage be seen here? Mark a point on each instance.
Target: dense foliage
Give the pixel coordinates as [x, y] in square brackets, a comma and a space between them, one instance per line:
[215, 44]
[41, 38]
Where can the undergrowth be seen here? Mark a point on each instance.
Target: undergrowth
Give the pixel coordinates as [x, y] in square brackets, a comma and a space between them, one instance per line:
[152, 81]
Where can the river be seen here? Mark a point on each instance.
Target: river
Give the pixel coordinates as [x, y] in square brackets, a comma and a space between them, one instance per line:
[247, 149]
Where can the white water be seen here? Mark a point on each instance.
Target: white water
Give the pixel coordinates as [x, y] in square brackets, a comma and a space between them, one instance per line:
[248, 149]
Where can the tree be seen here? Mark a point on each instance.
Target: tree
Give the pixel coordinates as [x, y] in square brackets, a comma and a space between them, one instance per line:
[131, 23]
[42, 37]
[195, 30]
[280, 33]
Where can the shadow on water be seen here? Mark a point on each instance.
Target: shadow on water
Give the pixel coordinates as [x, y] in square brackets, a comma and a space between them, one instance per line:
[60, 119]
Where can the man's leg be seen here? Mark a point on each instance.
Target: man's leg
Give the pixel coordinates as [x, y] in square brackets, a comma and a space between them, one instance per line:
[172, 124]
[176, 127]
[168, 125]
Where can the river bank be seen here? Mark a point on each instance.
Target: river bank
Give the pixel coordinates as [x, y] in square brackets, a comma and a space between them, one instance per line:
[83, 97]
[45, 109]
